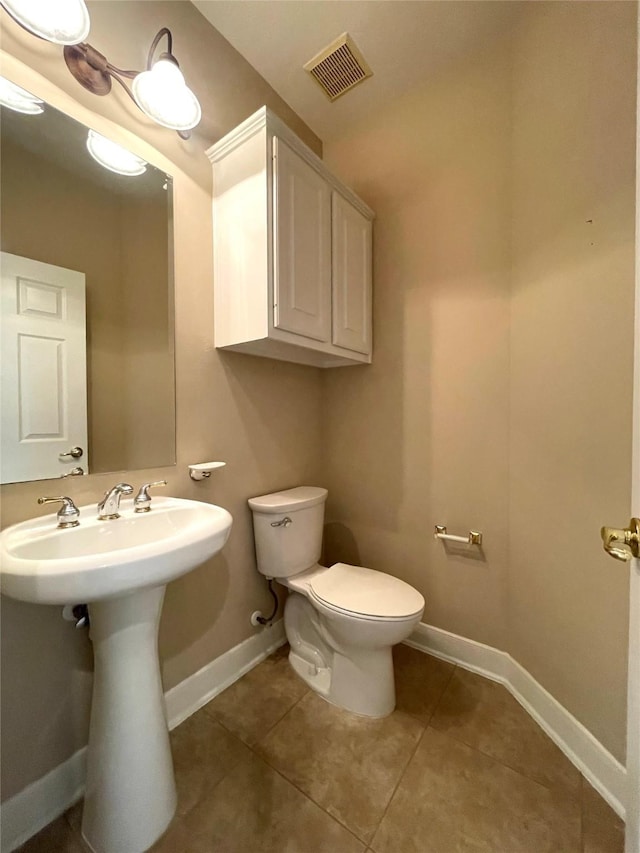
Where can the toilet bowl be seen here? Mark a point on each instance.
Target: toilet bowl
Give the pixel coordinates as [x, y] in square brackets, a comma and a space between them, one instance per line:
[341, 621]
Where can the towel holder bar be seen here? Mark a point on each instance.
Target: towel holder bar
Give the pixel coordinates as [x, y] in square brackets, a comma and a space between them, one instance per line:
[474, 537]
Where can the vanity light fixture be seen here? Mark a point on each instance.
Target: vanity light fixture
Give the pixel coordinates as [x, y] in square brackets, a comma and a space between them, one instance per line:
[113, 156]
[19, 99]
[160, 91]
[59, 21]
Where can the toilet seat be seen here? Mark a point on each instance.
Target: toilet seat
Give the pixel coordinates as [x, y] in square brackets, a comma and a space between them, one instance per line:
[365, 593]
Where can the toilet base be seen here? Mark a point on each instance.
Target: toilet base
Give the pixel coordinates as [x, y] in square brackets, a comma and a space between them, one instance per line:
[363, 683]
[318, 678]
[367, 690]
[356, 677]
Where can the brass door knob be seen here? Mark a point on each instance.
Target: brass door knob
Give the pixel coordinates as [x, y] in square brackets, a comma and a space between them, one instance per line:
[613, 538]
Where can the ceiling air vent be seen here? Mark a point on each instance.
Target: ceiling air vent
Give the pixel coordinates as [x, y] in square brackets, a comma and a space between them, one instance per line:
[339, 67]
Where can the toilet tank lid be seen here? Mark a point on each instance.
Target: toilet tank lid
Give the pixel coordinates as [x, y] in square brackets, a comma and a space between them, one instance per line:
[289, 500]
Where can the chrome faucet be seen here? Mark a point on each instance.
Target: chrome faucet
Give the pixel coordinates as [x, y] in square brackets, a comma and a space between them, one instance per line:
[68, 514]
[109, 506]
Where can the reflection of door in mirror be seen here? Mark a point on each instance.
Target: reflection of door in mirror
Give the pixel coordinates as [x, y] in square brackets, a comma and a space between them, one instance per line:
[44, 376]
[60, 206]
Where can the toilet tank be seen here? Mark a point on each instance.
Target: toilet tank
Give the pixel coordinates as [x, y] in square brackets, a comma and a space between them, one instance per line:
[284, 549]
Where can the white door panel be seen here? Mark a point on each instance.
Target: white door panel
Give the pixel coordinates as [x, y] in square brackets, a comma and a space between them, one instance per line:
[351, 277]
[632, 835]
[302, 246]
[632, 831]
[43, 382]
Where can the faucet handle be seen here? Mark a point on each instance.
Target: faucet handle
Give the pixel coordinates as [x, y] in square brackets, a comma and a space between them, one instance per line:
[142, 501]
[68, 514]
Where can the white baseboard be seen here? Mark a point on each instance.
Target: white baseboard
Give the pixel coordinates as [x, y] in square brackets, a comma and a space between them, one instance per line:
[604, 772]
[485, 660]
[41, 802]
[186, 698]
[45, 799]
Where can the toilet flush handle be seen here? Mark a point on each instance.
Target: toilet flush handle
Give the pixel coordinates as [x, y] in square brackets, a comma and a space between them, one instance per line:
[284, 522]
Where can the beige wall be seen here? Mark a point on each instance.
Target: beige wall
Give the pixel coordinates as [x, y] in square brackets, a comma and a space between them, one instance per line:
[500, 393]
[572, 352]
[262, 417]
[420, 437]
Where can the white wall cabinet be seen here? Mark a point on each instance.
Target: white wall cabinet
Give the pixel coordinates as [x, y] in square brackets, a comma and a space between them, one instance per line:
[292, 251]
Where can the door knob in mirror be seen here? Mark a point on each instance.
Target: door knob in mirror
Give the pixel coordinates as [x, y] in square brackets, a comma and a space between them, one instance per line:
[74, 453]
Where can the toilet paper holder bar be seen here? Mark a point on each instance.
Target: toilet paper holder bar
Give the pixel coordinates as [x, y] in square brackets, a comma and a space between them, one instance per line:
[474, 537]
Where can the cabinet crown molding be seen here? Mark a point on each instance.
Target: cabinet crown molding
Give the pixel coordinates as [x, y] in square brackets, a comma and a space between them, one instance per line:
[263, 119]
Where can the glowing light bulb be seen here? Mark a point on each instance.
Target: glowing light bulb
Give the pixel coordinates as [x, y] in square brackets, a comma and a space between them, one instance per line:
[18, 99]
[162, 94]
[59, 21]
[113, 156]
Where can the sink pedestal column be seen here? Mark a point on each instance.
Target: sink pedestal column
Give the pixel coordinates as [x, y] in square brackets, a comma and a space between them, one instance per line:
[130, 793]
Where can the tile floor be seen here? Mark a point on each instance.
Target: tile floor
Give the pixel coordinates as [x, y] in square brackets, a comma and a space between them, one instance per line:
[459, 767]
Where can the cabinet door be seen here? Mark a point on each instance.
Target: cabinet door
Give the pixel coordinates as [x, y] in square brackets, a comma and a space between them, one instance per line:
[302, 246]
[351, 277]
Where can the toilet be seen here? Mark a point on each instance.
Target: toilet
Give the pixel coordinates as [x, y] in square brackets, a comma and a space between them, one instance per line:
[341, 621]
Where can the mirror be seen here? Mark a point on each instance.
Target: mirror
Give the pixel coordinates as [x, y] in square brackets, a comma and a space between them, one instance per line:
[88, 378]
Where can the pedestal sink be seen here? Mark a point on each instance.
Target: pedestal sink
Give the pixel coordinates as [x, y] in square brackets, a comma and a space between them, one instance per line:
[120, 568]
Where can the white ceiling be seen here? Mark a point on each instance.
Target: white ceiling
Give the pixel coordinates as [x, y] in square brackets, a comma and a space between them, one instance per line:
[404, 42]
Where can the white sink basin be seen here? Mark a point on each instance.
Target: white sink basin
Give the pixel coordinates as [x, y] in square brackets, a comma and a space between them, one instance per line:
[120, 568]
[101, 559]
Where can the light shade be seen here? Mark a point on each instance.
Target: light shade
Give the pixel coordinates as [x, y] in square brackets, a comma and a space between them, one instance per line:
[162, 94]
[18, 99]
[59, 21]
[113, 156]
